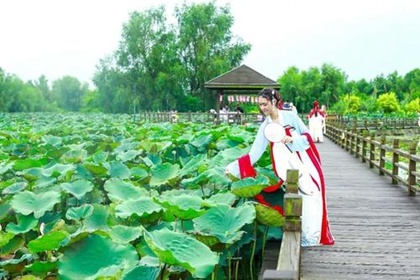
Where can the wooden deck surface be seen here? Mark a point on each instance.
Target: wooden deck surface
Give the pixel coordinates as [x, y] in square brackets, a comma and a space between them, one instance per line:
[376, 225]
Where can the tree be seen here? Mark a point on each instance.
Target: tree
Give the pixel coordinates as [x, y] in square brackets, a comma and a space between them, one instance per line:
[388, 103]
[69, 92]
[206, 45]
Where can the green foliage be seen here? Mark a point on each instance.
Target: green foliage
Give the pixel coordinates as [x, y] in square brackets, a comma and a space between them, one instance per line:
[388, 102]
[128, 195]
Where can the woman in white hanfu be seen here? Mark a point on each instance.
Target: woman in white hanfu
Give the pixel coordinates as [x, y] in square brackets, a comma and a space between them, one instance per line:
[293, 149]
[316, 123]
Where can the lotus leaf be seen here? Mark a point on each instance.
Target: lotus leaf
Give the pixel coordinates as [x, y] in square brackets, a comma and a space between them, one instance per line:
[58, 169]
[180, 249]
[225, 222]
[142, 272]
[142, 207]
[162, 173]
[183, 206]
[28, 202]
[249, 187]
[221, 198]
[139, 173]
[41, 268]
[5, 237]
[24, 224]
[12, 246]
[15, 188]
[96, 169]
[16, 265]
[98, 219]
[50, 241]
[94, 257]
[124, 156]
[119, 190]
[124, 234]
[78, 213]
[118, 169]
[78, 188]
[202, 141]
[100, 156]
[269, 216]
[23, 164]
[193, 164]
[76, 154]
[4, 167]
[216, 175]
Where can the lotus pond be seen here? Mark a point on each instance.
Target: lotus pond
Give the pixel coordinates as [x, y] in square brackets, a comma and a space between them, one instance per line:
[95, 196]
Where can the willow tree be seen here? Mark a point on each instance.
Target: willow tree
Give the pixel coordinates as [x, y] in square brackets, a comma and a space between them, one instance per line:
[163, 64]
[207, 47]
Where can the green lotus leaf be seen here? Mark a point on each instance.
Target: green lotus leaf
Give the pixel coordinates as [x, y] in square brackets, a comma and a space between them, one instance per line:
[142, 207]
[118, 169]
[4, 209]
[76, 154]
[78, 188]
[249, 187]
[162, 173]
[142, 272]
[41, 267]
[227, 198]
[79, 213]
[183, 206]
[180, 249]
[58, 169]
[225, 222]
[100, 156]
[50, 241]
[4, 167]
[193, 164]
[52, 140]
[95, 257]
[16, 265]
[202, 141]
[98, 220]
[268, 216]
[216, 175]
[139, 173]
[15, 188]
[27, 202]
[119, 190]
[23, 164]
[124, 234]
[12, 245]
[5, 237]
[96, 169]
[24, 224]
[127, 155]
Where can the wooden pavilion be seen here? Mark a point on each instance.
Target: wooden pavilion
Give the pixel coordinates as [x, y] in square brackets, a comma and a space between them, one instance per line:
[240, 80]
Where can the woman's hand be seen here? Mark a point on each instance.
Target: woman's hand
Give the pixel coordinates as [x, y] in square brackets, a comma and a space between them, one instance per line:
[287, 140]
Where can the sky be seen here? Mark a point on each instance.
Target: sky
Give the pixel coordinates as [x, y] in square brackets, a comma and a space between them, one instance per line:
[362, 38]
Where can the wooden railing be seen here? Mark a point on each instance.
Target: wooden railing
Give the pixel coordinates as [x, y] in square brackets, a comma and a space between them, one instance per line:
[389, 159]
[288, 266]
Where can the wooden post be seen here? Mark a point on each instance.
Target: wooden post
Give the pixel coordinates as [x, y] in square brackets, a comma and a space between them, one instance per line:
[395, 159]
[364, 145]
[382, 153]
[412, 169]
[372, 151]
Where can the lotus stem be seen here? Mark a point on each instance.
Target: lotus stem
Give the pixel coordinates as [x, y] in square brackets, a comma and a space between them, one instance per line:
[254, 245]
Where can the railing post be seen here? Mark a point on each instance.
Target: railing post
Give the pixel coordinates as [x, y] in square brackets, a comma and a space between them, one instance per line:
[395, 159]
[382, 153]
[372, 151]
[364, 145]
[288, 266]
[412, 169]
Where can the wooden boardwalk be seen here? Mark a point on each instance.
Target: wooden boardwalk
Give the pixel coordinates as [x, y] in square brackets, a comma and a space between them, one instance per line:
[376, 225]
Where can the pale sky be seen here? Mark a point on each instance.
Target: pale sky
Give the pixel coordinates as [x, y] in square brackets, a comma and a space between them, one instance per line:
[363, 38]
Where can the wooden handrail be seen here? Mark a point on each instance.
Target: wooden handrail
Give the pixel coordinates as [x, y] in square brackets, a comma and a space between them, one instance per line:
[288, 266]
[390, 160]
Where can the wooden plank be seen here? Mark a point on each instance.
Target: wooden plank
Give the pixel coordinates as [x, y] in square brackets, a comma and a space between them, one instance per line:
[375, 224]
